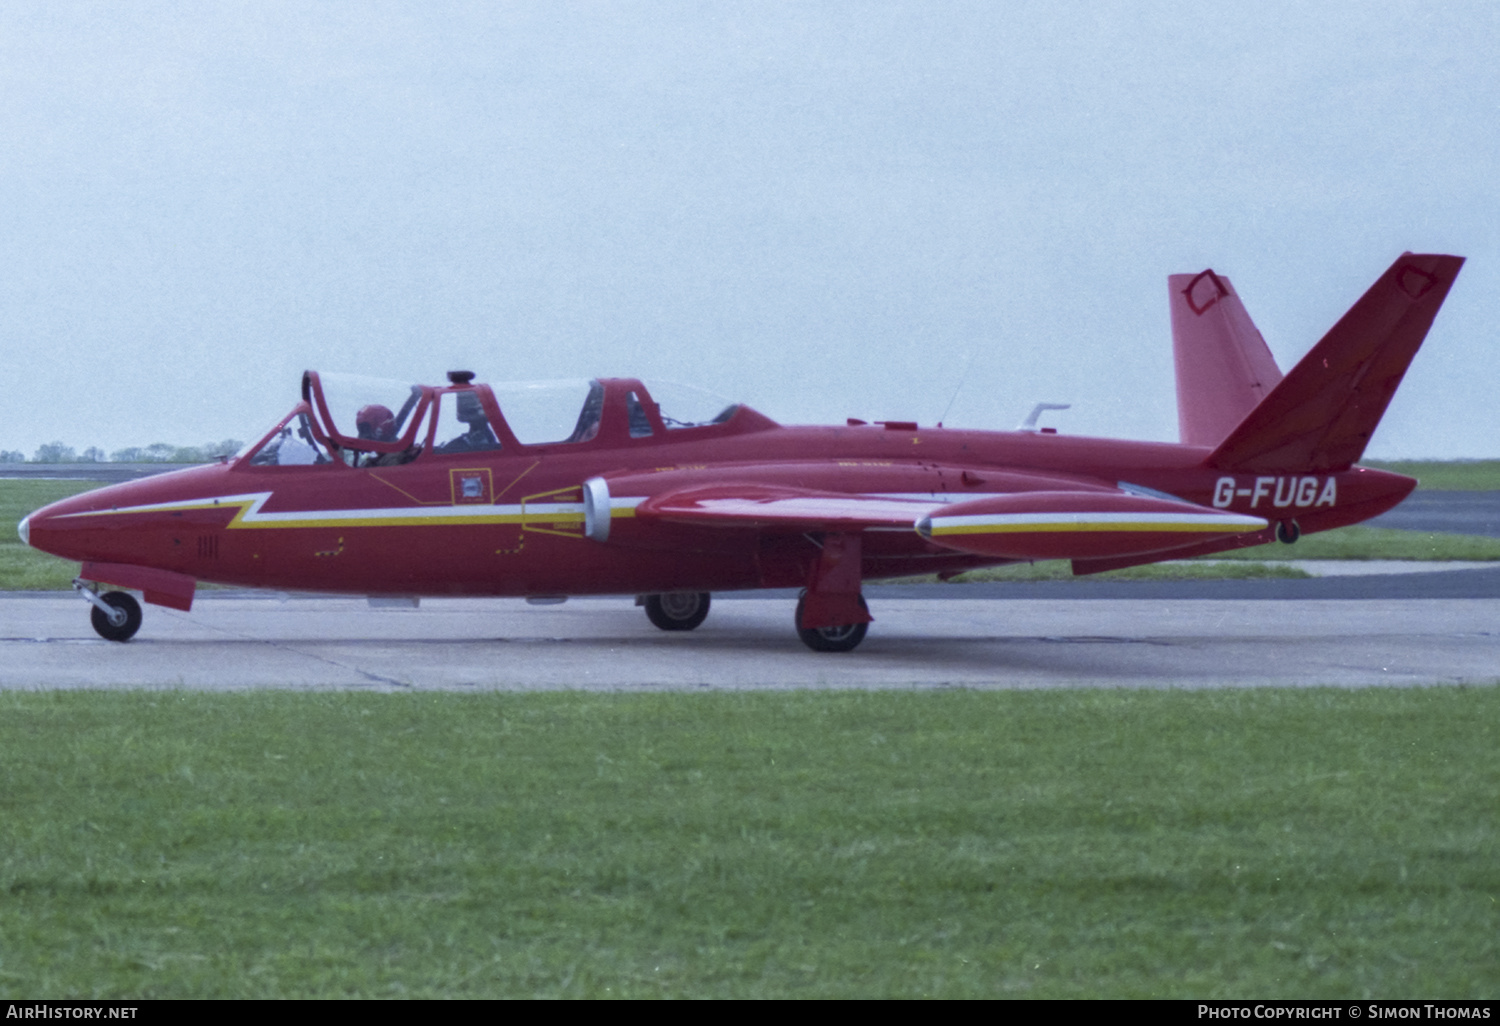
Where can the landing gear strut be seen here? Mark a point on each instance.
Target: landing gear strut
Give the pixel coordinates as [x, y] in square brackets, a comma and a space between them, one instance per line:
[831, 613]
[677, 610]
[116, 615]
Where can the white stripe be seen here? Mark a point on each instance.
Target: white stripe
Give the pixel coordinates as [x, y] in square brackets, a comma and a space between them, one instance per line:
[255, 499]
[1000, 519]
[255, 515]
[814, 506]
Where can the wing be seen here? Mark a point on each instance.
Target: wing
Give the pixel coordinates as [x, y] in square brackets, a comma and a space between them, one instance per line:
[1037, 524]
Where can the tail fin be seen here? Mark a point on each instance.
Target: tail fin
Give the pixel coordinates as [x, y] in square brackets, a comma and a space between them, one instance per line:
[1224, 368]
[1321, 415]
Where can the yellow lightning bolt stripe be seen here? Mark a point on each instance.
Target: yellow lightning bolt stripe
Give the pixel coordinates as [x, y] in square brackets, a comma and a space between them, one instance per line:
[249, 516]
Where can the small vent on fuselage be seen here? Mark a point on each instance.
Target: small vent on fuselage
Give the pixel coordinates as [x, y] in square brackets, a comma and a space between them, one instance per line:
[208, 546]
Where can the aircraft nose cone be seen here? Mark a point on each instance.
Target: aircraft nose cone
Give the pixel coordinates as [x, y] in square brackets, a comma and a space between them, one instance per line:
[24, 530]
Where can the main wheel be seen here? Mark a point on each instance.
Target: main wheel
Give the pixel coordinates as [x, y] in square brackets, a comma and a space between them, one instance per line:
[127, 604]
[677, 610]
[843, 638]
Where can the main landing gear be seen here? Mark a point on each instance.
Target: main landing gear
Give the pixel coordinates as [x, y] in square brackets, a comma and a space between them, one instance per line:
[831, 612]
[841, 638]
[677, 610]
[684, 610]
[116, 615]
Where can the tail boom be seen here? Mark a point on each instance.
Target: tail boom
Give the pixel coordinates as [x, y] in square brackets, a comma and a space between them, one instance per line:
[1306, 504]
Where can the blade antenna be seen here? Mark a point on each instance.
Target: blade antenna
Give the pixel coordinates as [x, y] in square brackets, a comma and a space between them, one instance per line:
[961, 379]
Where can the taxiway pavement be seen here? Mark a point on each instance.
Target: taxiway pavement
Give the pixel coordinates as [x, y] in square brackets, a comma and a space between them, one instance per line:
[235, 643]
[1445, 511]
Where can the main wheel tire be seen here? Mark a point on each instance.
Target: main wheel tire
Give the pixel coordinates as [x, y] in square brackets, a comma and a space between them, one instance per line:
[122, 601]
[677, 610]
[842, 638]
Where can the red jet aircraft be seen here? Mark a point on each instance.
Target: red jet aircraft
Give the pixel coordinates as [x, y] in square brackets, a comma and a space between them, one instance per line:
[467, 489]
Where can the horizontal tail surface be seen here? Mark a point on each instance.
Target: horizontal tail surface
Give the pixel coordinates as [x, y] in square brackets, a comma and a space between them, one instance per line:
[1224, 368]
[1322, 414]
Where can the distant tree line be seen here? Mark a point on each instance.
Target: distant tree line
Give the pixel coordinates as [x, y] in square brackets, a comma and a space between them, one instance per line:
[161, 452]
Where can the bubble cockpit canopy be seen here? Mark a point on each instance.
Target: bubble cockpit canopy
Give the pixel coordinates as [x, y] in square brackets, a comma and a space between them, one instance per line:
[365, 421]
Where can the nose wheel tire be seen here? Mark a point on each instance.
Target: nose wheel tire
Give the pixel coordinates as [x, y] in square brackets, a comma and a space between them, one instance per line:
[843, 638]
[122, 602]
[677, 610]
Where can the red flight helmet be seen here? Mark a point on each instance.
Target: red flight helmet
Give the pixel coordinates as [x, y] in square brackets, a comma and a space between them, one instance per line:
[376, 423]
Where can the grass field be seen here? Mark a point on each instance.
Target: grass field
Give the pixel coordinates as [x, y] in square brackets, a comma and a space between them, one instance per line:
[1062, 570]
[1449, 475]
[1360, 542]
[989, 844]
[22, 568]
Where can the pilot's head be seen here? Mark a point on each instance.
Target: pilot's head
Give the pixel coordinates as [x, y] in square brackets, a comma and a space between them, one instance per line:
[470, 411]
[376, 423]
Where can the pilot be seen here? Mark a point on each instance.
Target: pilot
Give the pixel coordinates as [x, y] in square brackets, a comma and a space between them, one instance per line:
[590, 416]
[376, 423]
[478, 436]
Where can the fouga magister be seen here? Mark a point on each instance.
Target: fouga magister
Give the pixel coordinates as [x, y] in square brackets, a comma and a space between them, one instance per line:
[471, 489]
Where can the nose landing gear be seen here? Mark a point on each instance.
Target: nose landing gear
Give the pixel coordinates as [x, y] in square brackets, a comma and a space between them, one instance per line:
[116, 615]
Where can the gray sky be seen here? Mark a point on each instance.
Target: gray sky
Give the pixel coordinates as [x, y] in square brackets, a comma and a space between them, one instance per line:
[823, 209]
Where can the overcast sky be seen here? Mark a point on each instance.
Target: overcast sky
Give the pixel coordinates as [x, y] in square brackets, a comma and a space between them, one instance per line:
[822, 209]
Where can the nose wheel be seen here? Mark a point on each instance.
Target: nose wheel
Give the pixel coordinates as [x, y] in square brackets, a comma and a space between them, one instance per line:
[122, 622]
[116, 615]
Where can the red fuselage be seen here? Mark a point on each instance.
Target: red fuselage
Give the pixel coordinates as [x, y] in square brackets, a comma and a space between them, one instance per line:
[511, 521]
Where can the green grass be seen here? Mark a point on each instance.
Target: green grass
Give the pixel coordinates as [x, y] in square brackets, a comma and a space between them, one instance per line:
[1455, 475]
[1360, 542]
[1317, 843]
[1062, 570]
[19, 497]
[22, 568]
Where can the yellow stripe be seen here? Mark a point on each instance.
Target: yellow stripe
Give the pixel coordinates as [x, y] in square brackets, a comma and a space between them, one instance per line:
[242, 508]
[515, 518]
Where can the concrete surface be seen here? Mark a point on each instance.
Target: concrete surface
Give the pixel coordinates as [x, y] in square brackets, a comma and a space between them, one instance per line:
[1445, 511]
[607, 644]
